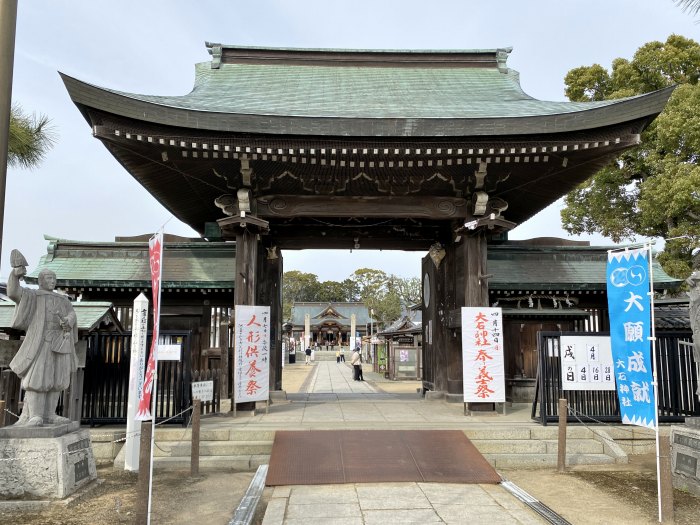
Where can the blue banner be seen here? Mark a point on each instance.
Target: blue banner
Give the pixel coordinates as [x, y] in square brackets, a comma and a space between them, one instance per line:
[630, 328]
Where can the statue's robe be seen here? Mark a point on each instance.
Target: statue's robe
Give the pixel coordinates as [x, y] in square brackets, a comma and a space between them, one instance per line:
[46, 359]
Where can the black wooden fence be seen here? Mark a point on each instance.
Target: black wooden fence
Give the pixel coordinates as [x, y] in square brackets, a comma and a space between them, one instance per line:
[106, 384]
[676, 377]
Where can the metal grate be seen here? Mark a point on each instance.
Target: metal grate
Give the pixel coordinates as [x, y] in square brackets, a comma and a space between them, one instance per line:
[536, 505]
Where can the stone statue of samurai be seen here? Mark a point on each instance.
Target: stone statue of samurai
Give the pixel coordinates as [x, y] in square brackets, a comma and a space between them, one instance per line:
[46, 359]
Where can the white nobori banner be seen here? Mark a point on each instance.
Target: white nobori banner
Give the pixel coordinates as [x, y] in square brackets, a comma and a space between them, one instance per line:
[251, 381]
[482, 355]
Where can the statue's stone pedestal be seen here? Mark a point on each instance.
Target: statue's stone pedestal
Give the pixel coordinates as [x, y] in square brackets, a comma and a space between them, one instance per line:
[45, 462]
[685, 454]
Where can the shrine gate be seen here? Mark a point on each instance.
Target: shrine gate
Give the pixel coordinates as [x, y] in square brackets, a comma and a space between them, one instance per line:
[436, 151]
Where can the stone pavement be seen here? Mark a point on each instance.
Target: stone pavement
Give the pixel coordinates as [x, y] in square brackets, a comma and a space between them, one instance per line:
[325, 396]
[392, 503]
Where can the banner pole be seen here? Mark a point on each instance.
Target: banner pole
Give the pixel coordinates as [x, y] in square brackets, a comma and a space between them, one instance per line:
[655, 381]
[156, 323]
[153, 439]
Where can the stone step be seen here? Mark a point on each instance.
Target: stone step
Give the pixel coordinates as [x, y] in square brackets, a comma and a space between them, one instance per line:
[213, 448]
[538, 433]
[545, 460]
[512, 446]
[180, 434]
[241, 462]
[531, 446]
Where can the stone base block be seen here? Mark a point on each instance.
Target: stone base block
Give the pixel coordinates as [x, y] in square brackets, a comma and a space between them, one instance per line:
[685, 458]
[278, 395]
[434, 395]
[53, 467]
[46, 431]
[693, 422]
[521, 389]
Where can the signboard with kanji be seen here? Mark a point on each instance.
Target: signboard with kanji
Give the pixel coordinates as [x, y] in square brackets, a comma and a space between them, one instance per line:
[251, 381]
[203, 390]
[169, 352]
[586, 363]
[482, 355]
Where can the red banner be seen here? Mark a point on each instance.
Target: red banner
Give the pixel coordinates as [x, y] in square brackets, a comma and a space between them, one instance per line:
[155, 252]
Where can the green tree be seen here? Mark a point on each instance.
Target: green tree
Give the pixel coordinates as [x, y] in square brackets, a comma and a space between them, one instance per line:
[297, 287]
[654, 189]
[30, 138]
[385, 294]
[408, 289]
[334, 292]
[387, 308]
[375, 289]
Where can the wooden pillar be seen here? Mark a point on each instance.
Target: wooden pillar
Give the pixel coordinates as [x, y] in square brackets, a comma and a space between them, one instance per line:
[269, 293]
[246, 229]
[225, 358]
[246, 258]
[456, 276]
[476, 292]
[436, 303]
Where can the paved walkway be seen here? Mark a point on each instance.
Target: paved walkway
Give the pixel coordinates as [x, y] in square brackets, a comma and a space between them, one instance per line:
[324, 395]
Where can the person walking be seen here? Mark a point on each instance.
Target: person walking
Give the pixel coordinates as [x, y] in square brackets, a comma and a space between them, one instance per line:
[342, 354]
[308, 355]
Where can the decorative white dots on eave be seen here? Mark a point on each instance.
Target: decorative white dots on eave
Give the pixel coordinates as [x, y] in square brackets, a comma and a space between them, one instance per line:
[409, 157]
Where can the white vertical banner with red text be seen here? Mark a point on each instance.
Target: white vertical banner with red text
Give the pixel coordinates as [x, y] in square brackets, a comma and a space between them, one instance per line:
[155, 257]
[482, 355]
[251, 374]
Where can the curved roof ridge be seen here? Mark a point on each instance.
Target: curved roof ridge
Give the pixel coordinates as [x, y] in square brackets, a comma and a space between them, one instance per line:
[431, 58]
[211, 45]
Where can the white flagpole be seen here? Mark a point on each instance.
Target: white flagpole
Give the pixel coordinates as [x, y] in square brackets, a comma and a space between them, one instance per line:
[655, 381]
[156, 322]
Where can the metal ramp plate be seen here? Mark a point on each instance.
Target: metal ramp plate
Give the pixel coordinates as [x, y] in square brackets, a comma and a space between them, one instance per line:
[319, 457]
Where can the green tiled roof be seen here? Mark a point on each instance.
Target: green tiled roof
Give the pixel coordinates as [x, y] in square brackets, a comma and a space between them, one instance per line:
[355, 93]
[89, 314]
[556, 268]
[350, 92]
[514, 266]
[345, 310]
[119, 264]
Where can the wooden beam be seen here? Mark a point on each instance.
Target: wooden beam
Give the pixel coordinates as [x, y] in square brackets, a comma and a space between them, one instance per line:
[418, 207]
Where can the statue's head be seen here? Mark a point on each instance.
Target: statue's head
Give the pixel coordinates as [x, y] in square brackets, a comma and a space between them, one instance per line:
[47, 280]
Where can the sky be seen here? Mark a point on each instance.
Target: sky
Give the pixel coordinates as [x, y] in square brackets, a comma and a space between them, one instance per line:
[80, 192]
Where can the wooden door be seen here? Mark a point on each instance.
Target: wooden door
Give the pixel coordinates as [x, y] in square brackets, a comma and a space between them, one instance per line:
[528, 344]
